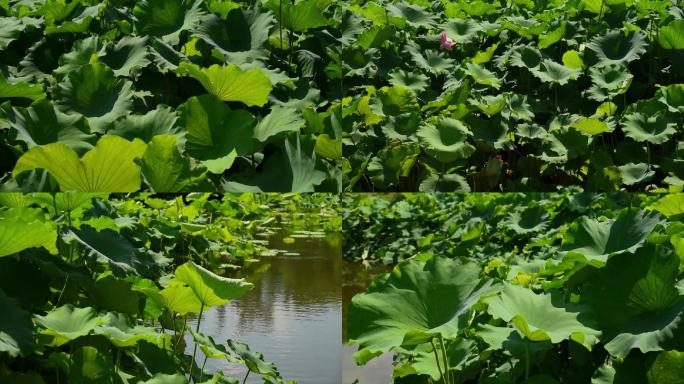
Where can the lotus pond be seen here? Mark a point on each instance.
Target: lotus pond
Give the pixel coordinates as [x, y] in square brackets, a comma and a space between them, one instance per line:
[568, 287]
[183, 95]
[293, 313]
[471, 95]
[127, 289]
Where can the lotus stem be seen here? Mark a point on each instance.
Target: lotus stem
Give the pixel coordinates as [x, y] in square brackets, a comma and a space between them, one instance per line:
[439, 368]
[246, 376]
[601, 10]
[202, 370]
[194, 352]
[447, 369]
[280, 22]
[527, 361]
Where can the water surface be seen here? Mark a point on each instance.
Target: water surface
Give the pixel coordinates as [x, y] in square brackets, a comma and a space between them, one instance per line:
[293, 315]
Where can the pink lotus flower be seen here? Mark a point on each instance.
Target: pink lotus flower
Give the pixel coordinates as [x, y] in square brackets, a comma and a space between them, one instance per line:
[446, 42]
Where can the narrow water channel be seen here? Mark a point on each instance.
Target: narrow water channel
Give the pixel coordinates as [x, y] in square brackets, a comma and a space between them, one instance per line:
[355, 279]
[293, 315]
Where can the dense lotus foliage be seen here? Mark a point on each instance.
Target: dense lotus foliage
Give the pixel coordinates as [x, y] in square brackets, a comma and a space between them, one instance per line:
[99, 289]
[471, 95]
[520, 288]
[170, 95]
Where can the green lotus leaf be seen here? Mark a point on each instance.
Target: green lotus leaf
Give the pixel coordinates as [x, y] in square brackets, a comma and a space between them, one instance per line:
[108, 247]
[612, 77]
[655, 129]
[20, 89]
[165, 57]
[230, 83]
[108, 167]
[108, 292]
[431, 60]
[94, 92]
[328, 147]
[81, 54]
[524, 56]
[461, 31]
[635, 301]
[294, 169]
[209, 347]
[73, 22]
[163, 167]
[635, 173]
[415, 15]
[529, 220]
[16, 328]
[518, 108]
[552, 37]
[10, 30]
[121, 334]
[551, 72]
[438, 183]
[166, 19]
[540, 317]
[164, 378]
[597, 240]
[446, 140]
[211, 290]
[485, 56]
[67, 323]
[415, 81]
[572, 59]
[179, 298]
[159, 121]
[67, 201]
[563, 144]
[671, 36]
[301, 15]
[254, 361]
[670, 205]
[214, 133]
[490, 105]
[240, 36]
[88, 365]
[617, 48]
[530, 131]
[390, 164]
[591, 126]
[280, 119]
[482, 75]
[41, 124]
[128, 56]
[418, 301]
[665, 368]
[511, 340]
[673, 97]
[17, 234]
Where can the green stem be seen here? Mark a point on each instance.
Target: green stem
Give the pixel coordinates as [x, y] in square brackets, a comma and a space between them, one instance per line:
[118, 359]
[194, 352]
[444, 356]
[202, 371]
[246, 376]
[527, 361]
[439, 368]
[280, 23]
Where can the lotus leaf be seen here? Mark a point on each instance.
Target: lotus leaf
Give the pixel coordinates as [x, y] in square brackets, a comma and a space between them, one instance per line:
[418, 301]
[446, 140]
[68, 323]
[93, 91]
[230, 83]
[108, 167]
[597, 240]
[540, 317]
[16, 329]
[17, 234]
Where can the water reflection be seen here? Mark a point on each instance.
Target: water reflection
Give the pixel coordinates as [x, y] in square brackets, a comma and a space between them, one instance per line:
[356, 278]
[293, 314]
